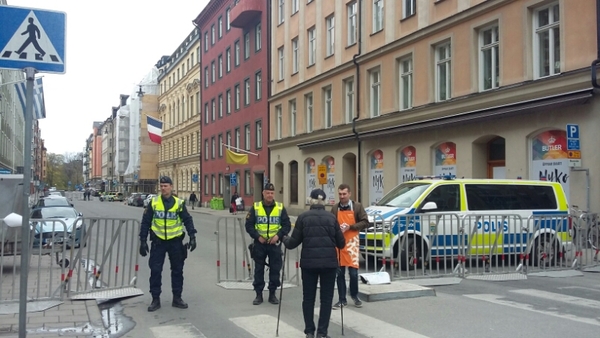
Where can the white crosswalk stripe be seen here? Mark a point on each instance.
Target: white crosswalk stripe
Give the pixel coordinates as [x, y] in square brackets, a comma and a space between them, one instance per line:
[590, 303]
[185, 330]
[264, 326]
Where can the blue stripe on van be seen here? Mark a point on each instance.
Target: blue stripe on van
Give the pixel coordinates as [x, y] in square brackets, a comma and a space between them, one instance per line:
[550, 212]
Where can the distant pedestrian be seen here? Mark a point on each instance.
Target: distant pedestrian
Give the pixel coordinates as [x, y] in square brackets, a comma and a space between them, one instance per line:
[319, 233]
[193, 200]
[233, 203]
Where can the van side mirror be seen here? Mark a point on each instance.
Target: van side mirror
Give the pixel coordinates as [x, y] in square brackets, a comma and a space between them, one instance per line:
[429, 206]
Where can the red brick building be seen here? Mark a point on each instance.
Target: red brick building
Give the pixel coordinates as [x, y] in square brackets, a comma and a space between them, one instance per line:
[234, 79]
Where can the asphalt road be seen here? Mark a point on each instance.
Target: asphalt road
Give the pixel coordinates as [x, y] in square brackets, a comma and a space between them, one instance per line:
[535, 307]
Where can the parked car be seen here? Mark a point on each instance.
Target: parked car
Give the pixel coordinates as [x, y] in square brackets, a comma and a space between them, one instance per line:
[148, 199]
[53, 201]
[118, 196]
[48, 232]
[138, 200]
[107, 196]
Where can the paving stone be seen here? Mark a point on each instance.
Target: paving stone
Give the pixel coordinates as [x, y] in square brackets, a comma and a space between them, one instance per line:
[45, 319]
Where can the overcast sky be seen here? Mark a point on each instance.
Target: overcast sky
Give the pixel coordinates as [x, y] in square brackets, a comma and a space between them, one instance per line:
[111, 46]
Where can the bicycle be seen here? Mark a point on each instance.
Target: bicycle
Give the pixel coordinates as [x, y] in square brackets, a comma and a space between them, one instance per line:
[589, 221]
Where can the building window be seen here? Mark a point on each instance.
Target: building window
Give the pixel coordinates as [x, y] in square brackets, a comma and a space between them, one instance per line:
[281, 12]
[258, 85]
[213, 110]
[228, 60]
[213, 71]
[246, 45]
[330, 22]
[375, 81]
[327, 107]
[377, 15]
[258, 128]
[220, 66]
[547, 41]
[237, 97]
[295, 56]
[247, 182]
[406, 83]
[212, 34]
[293, 118]
[206, 185]
[227, 18]
[281, 64]
[236, 58]
[489, 65]
[247, 137]
[220, 26]
[295, 6]
[443, 76]
[348, 100]
[294, 182]
[278, 122]
[409, 8]
[221, 106]
[206, 78]
[206, 149]
[228, 102]
[214, 184]
[206, 113]
[220, 145]
[237, 138]
[258, 37]
[312, 46]
[205, 41]
[351, 8]
[309, 112]
[228, 138]
[246, 92]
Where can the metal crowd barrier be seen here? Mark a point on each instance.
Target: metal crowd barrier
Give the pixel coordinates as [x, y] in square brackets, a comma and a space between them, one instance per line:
[234, 264]
[586, 236]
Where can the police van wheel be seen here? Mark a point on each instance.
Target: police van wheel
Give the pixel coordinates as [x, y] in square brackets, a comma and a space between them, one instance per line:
[545, 251]
[411, 257]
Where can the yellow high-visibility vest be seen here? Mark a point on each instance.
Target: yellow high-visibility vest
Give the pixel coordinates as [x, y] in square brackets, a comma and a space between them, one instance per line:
[267, 225]
[173, 227]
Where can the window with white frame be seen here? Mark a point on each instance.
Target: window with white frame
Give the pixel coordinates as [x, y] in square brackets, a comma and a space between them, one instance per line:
[220, 105]
[278, 122]
[377, 15]
[227, 18]
[489, 63]
[327, 107]
[236, 57]
[281, 12]
[295, 55]
[308, 99]
[237, 97]
[206, 149]
[443, 74]
[409, 7]
[228, 60]
[312, 46]
[220, 145]
[546, 51]
[228, 138]
[213, 71]
[213, 109]
[281, 63]
[246, 45]
[330, 23]
[212, 34]
[405, 66]
[258, 85]
[213, 147]
[206, 113]
[348, 100]
[293, 118]
[258, 37]
[220, 26]
[205, 41]
[352, 22]
[220, 66]
[295, 6]
[258, 135]
[246, 92]
[375, 97]
[247, 139]
[237, 138]
[214, 184]
[247, 182]
[228, 102]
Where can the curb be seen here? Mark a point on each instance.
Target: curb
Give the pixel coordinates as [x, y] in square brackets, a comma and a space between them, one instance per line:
[94, 313]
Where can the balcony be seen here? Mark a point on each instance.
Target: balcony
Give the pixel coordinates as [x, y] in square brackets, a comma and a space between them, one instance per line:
[245, 12]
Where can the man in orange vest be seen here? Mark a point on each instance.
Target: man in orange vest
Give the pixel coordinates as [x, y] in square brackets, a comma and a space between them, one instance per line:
[352, 217]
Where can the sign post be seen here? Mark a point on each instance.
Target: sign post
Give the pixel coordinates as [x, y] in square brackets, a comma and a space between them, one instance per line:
[233, 179]
[573, 146]
[31, 40]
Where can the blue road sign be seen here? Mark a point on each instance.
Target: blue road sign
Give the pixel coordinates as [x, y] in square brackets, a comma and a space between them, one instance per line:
[572, 131]
[573, 144]
[233, 179]
[195, 178]
[32, 38]
[5, 171]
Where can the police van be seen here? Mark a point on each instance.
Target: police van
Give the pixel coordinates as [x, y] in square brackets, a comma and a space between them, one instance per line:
[438, 218]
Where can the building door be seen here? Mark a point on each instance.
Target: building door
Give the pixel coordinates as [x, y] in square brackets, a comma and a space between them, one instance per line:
[258, 186]
[496, 161]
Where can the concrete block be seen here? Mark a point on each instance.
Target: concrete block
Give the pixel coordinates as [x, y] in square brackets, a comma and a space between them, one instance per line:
[395, 290]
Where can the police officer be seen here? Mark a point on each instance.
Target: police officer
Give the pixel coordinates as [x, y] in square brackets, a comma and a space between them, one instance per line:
[267, 222]
[163, 218]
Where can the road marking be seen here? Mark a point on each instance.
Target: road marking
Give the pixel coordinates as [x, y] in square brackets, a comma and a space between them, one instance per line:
[185, 330]
[496, 299]
[589, 303]
[264, 326]
[370, 326]
[579, 288]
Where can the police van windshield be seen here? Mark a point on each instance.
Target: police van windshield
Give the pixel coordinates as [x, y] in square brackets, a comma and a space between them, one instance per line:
[404, 195]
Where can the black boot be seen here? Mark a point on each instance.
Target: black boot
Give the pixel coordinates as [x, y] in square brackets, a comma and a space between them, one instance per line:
[178, 302]
[272, 298]
[155, 305]
[258, 300]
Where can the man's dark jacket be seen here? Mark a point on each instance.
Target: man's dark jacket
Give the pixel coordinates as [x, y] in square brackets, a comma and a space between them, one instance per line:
[319, 232]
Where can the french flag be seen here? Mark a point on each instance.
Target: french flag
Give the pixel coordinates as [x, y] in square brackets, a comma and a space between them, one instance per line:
[154, 129]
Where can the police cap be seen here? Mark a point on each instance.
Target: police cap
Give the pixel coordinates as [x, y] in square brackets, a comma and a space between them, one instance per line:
[269, 186]
[166, 180]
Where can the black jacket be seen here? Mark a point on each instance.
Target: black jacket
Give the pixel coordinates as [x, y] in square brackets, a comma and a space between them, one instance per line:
[319, 232]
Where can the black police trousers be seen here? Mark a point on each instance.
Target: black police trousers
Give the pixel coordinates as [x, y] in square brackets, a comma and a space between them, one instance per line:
[177, 254]
[260, 254]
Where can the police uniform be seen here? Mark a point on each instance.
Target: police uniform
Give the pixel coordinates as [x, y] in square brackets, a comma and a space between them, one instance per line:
[164, 219]
[267, 220]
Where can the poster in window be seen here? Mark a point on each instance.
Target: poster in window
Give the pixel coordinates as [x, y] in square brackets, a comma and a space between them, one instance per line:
[376, 177]
[550, 160]
[445, 159]
[311, 177]
[330, 188]
[408, 164]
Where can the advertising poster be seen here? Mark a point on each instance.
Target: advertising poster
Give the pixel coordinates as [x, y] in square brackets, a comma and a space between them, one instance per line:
[550, 160]
[408, 164]
[445, 159]
[330, 188]
[311, 177]
[376, 177]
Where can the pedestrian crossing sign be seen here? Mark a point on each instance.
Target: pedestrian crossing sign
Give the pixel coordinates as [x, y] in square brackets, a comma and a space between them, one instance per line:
[32, 38]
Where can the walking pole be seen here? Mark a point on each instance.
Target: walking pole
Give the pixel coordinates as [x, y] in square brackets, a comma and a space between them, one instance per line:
[341, 304]
[281, 290]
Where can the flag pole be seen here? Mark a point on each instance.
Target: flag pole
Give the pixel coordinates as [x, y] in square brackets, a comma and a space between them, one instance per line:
[238, 149]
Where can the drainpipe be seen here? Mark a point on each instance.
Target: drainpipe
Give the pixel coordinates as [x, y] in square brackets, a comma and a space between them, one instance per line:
[358, 141]
[596, 62]
[269, 84]
[199, 107]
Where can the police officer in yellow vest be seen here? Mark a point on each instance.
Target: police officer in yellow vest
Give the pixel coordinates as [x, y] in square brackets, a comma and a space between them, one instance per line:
[267, 222]
[164, 219]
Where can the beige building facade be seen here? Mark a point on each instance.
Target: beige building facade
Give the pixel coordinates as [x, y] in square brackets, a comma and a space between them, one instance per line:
[380, 91]
[179, 81]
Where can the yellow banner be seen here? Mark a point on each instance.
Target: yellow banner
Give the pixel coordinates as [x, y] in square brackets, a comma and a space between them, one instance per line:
[235, 158]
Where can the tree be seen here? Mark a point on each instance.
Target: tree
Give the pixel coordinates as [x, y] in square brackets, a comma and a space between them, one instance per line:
[73, 168]
[54, 171]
